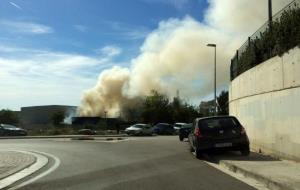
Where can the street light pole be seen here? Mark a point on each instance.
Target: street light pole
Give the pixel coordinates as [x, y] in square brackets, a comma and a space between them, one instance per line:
[215, 78]
[270, 14]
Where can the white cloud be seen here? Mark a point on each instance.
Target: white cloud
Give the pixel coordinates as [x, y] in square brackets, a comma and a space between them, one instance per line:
[15, 5]
[175, 57]
[37, 77]
[25, 27]
[81, 28]
[240, 16]
[109, 51]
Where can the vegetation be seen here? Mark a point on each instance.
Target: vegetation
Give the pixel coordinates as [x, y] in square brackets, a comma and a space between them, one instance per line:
[283, 35]
[57, 118]
[223, 103]
[9, 117]
[157, 107]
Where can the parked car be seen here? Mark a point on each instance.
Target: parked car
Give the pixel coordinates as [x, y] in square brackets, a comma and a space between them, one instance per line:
[224, 132]
[139, 129]
[178, 126]
[11, 130]
[184, 131]
[164, 129]
[87, 132]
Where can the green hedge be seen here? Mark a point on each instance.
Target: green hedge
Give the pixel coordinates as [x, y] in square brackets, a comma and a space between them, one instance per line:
[283, 35]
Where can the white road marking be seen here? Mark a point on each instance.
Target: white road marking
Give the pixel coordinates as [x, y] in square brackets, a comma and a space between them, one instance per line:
[40, 162]
[53, 167]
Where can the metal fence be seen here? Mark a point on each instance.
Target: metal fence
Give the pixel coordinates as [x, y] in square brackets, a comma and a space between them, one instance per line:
[237, 65]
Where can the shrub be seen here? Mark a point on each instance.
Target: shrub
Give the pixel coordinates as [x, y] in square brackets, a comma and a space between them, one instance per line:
[283, 35]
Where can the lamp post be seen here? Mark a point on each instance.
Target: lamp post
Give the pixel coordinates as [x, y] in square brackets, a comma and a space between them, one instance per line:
[270, 14]
[215, 78]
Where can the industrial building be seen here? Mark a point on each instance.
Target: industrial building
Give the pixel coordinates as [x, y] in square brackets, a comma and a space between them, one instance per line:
[41, 115]
[108, 123]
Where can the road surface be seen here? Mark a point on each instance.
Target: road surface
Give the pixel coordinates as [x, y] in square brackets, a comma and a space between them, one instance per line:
[138, 163]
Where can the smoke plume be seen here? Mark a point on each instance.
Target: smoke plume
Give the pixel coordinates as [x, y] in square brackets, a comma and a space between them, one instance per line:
[175, 56]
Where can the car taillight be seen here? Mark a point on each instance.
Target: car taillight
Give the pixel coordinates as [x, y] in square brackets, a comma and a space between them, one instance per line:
[243, 131]
[197, 132]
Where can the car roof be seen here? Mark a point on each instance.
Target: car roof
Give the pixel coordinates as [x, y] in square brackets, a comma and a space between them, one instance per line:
[179, 123]
[163, 124]
[215, 117]
[139, 124]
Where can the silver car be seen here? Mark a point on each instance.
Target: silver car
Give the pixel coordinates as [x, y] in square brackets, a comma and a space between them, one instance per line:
[178, 126]
[139, 129]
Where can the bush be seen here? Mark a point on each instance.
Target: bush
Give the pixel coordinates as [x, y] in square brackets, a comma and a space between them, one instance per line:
[283, 36]
[8, 117]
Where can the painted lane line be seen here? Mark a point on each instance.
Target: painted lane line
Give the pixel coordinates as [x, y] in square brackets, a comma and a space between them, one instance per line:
[43, 174]
[40, 162]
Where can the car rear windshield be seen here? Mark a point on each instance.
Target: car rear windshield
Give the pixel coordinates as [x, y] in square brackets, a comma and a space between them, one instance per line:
[139, 126]
[187, 125]
[218, 123]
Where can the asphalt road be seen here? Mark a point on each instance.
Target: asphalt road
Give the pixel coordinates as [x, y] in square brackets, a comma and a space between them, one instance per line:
[139, 163]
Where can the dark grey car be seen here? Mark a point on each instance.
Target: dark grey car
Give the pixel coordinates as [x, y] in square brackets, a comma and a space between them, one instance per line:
[224, 132]
[11, 130]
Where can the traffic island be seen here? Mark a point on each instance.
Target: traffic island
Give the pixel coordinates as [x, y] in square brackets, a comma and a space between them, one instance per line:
[17, 165]
[11, 162]
[83, 138]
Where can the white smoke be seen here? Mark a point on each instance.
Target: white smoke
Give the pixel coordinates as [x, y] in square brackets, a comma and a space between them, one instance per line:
[175, 56]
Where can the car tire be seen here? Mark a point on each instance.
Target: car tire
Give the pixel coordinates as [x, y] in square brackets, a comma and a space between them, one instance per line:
[245, 151]
[191, 149]
[198, 154]
[180, 138]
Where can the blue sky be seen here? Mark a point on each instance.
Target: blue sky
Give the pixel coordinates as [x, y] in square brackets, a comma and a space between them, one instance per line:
[80, 26]
[53, 50]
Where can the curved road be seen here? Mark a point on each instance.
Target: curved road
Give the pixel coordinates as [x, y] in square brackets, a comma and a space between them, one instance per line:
[139, 163]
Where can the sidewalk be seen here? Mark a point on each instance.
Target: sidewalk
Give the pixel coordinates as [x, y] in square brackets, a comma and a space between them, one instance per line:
[273, 173]
[12, 162]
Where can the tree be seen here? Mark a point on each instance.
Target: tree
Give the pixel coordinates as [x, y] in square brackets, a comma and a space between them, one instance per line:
[8, 117]
[183, 112]
[223, 103]
[156, 108]
[58, 117]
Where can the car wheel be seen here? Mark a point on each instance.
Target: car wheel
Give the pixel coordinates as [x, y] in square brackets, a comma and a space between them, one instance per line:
[198, 153]
[180, 138]
[245, 151]
[191, 148]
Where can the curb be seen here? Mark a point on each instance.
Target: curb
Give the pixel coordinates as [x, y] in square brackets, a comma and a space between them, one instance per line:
[40, 162]
[17, 168]
[269, 183]
[58, 136]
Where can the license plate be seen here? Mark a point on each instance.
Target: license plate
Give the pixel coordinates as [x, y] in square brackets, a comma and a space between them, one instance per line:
[223, 145]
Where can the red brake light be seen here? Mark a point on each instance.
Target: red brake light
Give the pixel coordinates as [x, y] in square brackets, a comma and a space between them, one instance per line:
[197, 132]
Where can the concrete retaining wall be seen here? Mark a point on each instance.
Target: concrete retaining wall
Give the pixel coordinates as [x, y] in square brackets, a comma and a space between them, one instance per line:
[266, 99]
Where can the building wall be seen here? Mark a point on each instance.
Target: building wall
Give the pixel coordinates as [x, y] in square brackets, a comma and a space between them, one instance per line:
[41, 115]
[266, 99]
